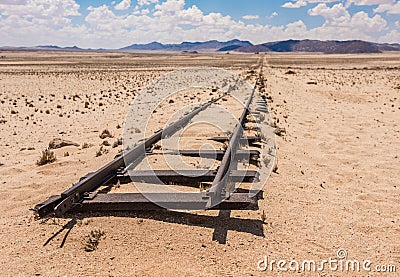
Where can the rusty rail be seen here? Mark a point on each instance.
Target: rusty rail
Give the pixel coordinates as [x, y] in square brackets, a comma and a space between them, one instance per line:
[218, 191]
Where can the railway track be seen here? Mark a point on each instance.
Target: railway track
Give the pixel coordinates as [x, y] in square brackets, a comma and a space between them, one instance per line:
[223, 191]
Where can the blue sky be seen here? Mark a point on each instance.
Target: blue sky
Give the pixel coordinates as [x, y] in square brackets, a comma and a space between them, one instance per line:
[117, 23]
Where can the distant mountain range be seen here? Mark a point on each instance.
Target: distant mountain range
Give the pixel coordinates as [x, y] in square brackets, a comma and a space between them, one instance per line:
[212, 45]
[331, 47]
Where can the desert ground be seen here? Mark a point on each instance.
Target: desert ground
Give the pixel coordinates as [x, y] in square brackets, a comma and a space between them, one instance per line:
[336, 183]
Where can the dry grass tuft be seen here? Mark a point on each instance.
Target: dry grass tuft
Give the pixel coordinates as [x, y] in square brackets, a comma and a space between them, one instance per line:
[106, 134]
[47, 157]
[86, 145]
[117, 143]
[92, 241]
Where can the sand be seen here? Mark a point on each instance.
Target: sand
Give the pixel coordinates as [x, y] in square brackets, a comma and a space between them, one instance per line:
[336, 184]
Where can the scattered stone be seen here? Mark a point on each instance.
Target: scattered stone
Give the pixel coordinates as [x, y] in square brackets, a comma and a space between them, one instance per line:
[280, 131]
[59, 143]
[117, 143]
[86, 145]
[290, 72]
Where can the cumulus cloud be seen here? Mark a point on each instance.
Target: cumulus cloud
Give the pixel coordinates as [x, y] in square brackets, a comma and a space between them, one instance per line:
[336, 15]
[169, 7]
[301, 3]
[249, 17]
[339, 22]
[146, 2]
[369, 2]
[123, 5]
[295, 5]
[170, 21]
[391, 37]
[389, 8]
[14, 2]
[39, 12]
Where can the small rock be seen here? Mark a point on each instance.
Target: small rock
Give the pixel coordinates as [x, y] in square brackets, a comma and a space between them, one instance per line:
[58, 143]
[280, 131]
[290, 72]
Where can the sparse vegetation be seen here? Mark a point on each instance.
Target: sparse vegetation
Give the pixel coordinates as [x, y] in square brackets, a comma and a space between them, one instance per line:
[117, 143]
[93, 239]
[101, 151]
[263, 216]
[275, 169]
[106, 134]
[47, 157]
[86, 145]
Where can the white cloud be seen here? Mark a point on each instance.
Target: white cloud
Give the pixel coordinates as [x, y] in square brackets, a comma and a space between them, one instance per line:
[369, 2]
[363, 22]
[294, 5]
[123, 5]
[296, 29]
[169, 6]
[388, 8]
[249, 17]
[14, 2]
[301, 3]
[274, 14]
[169, 21]
[54, 13]
[339, 24]
[146, 2]
[337, 15]
[391, 37]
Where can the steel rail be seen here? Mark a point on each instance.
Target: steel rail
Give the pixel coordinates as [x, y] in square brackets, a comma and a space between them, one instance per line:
[217, 191]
